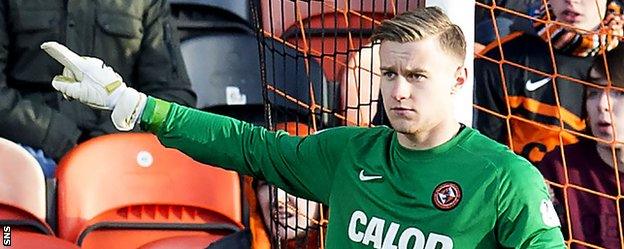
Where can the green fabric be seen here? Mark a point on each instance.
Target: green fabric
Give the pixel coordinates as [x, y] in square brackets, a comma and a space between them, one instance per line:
[154, 113]
[380, 194]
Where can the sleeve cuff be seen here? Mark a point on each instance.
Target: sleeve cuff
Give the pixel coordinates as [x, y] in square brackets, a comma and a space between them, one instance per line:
[154, 114]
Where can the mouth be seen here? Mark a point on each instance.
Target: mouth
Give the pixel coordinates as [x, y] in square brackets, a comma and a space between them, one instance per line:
[401, 110]
[604, 126]
[283, 216]
[570, 15]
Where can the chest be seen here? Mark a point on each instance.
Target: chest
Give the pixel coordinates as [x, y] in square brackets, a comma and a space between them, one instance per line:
[537, 78]
[440, 202]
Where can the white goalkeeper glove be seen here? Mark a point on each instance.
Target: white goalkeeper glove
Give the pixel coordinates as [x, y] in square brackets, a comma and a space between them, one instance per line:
[93, 83]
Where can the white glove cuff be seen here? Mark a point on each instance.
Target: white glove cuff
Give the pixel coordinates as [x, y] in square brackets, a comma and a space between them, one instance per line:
[128, 109]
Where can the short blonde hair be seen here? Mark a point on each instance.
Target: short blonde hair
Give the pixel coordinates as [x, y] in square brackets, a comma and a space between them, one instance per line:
[421, 24]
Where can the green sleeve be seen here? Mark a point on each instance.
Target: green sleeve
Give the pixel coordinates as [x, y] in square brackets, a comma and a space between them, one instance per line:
[526, 216]
[301, 166]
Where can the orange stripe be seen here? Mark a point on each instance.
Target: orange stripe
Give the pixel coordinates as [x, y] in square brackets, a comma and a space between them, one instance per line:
[259, 237]
[535, 106]
[503, 40]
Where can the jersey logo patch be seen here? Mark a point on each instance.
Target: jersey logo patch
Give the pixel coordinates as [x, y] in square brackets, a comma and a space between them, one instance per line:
[532, 86]
[549, 215]
[364, 177]
[446, 196]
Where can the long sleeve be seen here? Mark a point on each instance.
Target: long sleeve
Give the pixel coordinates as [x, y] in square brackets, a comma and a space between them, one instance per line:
[302, 166]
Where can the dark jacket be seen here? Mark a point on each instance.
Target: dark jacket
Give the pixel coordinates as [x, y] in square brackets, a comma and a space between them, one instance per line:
[537, 111]
[136, 38]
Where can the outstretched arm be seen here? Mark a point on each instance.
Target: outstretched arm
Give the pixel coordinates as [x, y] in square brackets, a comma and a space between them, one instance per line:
[302, 166]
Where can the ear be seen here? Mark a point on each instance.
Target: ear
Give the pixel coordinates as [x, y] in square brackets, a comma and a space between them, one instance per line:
[461, 75]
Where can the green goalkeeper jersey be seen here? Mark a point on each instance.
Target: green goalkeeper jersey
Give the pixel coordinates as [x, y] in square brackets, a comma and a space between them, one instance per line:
[469, 192]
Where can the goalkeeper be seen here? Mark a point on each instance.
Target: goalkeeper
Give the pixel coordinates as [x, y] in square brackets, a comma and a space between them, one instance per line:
[431, 182]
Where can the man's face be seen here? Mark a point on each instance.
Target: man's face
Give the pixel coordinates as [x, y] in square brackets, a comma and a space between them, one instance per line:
[605, 111]
[582, 14]
[417, 82]
[292, 216]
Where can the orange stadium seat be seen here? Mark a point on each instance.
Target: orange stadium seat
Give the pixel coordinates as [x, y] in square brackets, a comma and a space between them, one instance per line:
[125, 190]
[331, 28]
[295, 128]
[189, 241]
[30, 240]
[23, 191]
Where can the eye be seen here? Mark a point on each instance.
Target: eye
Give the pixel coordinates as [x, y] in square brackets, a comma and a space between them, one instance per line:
[389, 75]
[416, 76]
[593, 93]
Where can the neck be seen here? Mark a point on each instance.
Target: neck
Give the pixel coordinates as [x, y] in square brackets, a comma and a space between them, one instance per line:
[606, 154]
[428, 139]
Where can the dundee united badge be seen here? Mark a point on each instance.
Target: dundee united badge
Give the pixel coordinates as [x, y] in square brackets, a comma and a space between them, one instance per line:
[446, 196]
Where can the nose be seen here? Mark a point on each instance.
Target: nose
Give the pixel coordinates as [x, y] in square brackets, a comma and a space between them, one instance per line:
[603, 102]
[401, 89]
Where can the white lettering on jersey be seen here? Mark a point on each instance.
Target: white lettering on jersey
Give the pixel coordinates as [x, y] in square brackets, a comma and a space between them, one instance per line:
[389, 238]
[435, 239]
[374, 233]
[408, 234]
[359, 217]
[549, 215]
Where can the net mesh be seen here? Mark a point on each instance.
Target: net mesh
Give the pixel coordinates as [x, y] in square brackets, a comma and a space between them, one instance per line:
[318, 70]
[607, 227]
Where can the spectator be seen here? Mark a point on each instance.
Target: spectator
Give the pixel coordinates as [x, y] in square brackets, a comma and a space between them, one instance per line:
[295, 220]
[135, 37]
[590, 163]
[275, 216]
[536, 107]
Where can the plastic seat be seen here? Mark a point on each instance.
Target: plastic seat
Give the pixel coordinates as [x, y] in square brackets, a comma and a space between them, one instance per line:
[125, 190]
[331, 32]
[224, 69]
[23, 192]
[239, 8]
[295, 128]
[29, 240]
[186, 242]
[359, 86]
[201, 17]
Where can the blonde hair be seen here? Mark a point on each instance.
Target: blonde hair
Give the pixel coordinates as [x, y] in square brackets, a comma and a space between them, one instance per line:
[421, 24]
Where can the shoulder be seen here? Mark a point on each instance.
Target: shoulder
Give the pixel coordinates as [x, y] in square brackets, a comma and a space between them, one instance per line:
[490, 151]
[343, 133]
[515, 46]
[505, 163]
[341, 130]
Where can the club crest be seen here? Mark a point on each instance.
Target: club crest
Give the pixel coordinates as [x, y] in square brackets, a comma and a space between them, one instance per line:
[446, 196]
